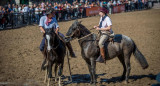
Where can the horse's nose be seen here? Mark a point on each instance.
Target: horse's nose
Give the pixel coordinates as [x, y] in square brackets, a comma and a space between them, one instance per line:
[49, 48]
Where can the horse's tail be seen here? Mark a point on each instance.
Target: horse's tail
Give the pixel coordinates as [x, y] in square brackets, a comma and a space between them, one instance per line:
[140, 57]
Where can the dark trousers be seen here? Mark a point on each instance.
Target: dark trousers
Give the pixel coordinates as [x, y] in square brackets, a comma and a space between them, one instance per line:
[42, 44]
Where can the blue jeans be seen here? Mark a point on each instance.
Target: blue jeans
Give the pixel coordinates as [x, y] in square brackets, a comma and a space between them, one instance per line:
[37, 18]
[43, 41]
[42, 44]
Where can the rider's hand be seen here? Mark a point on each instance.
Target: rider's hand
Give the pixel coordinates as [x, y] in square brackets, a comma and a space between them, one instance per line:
[95, 27]
[57, 32]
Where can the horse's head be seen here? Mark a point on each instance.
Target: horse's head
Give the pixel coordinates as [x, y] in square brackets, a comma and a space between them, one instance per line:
[50, 37]
[74, 30]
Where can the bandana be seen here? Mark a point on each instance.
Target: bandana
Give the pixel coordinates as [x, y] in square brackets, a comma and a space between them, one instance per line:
[48, 21]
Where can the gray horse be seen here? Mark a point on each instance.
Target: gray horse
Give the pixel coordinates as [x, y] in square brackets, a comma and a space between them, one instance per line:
[122, 47]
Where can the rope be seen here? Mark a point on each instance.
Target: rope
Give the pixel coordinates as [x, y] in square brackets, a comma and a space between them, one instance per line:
[69, 65]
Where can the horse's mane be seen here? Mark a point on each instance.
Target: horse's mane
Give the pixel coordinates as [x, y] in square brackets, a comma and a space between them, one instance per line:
[83, 29]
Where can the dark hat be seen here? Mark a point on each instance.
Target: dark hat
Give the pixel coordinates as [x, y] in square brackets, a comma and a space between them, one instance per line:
[104, 10]
[49, 11]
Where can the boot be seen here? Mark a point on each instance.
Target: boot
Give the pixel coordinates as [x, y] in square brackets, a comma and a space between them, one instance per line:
[101, 58]
[69, 46]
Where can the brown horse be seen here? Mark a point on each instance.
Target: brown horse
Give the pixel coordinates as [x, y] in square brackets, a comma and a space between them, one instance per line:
[122, 48]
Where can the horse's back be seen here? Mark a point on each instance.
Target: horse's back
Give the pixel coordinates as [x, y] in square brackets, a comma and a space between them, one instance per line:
[120, 42]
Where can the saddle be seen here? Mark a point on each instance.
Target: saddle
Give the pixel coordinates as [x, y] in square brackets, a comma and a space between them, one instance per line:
[110, 39]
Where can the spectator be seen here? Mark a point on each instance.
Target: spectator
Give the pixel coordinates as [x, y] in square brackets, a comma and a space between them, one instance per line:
[119, 2]
[37, 10]
[25, 9]
[1, 17]
[15, 9]
[132, 5]
[101, 4]
[129, 5]
[32, 12]
[64, 11]
[114, 3]
[126, 5]
[109, 5]
[20, 8]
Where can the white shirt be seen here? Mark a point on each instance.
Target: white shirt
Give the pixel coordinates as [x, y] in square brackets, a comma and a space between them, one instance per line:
[25, 9]
[19, 9]
[114, 3]
[37, 10]
[107, 22]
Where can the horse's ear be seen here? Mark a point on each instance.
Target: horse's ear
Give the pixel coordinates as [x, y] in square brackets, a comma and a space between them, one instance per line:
[76, 21]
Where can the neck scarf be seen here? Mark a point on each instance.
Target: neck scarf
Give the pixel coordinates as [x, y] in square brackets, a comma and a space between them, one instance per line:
[48, 21]
[102, 21]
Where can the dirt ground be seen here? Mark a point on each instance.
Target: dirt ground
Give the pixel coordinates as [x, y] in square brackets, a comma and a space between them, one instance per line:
[20, 58]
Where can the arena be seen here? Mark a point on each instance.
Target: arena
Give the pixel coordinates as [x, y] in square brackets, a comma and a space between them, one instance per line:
[20, 58]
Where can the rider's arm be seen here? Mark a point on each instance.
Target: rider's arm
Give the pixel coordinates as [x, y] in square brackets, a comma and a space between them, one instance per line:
[107, 28]
[57, 27]
[41, 28]
[41, 24]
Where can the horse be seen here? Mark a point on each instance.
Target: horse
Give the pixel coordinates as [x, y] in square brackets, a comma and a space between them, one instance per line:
[121, 47]
[54, 52]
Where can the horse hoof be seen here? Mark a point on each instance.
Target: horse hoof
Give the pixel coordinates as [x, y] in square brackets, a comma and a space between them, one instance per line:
[122, 78]
[91, 82]
[125, 82]
[94, 85]
[45, 81]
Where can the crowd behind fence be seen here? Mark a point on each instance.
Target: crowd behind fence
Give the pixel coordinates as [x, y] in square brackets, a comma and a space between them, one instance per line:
[12, 18]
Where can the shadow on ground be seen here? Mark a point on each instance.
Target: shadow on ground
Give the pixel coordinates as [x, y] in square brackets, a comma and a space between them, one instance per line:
[85, 78]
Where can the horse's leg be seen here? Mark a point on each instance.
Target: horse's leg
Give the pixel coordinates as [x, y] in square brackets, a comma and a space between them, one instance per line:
[89, 68]
[93, 65]
[128, 67]
[121, 59]
[43, 66]
[46, 73]
[60, 73]
[49, 72]
[55, 72]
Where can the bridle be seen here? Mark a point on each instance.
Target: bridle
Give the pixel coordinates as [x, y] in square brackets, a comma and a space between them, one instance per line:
[71, 36]
[79, 34]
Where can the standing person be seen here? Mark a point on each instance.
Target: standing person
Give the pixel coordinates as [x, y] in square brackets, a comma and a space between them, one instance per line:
[37, 10]
[50, 22]
[31, 11]
[20, 8]
[126, 6]
[15, 9]
[105, 29]
[109, 5]
[1, 17]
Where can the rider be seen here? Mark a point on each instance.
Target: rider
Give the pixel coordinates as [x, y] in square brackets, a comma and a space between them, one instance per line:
[49, 21]
[105, 30]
